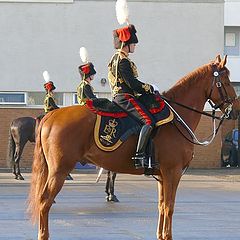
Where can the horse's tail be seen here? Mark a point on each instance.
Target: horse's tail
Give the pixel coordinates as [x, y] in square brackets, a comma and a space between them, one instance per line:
[11, 149]
[39, 178]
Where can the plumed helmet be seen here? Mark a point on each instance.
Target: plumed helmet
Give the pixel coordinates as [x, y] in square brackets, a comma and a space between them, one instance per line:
[124, 36]
[48, 85]
[86, 70]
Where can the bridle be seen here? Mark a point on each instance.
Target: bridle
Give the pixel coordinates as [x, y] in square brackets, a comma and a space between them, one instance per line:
[225, 99]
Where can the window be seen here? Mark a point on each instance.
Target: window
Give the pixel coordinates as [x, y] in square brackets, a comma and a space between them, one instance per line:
[38, 1]
[37, 98]
[231, 41]
[75, 101]
[12, 98]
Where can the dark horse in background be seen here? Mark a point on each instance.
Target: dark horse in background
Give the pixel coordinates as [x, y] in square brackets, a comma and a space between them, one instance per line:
[21, 131]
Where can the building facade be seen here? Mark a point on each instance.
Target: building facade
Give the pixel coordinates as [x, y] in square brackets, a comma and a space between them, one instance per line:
[175, 37]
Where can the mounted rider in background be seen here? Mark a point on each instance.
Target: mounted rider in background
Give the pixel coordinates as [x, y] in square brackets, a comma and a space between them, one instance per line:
[87, 72]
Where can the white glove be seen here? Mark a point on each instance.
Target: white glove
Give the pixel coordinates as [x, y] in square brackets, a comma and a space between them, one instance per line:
[155, 88]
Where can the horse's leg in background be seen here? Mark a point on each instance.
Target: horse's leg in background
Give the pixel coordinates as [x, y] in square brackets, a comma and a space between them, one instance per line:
[18, 172]
[107, 185]
[17, 156]
[171, 180]
[11, 151]
[69, 177]
[14, 169]
[112, 197]
[160, 210]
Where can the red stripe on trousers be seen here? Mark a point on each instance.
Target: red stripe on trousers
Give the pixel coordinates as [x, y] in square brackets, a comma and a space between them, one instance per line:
[139, 109]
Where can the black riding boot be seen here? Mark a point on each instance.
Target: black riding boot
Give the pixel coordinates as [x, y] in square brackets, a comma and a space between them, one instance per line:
[140, 156]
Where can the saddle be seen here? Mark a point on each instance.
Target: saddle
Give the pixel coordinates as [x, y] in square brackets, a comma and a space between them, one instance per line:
[113, 126]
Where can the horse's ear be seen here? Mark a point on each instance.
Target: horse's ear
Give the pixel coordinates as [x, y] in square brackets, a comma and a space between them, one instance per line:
[218, 59]
[223, 62]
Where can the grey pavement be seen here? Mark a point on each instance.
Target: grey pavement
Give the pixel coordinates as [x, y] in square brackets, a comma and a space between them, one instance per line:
[207, 207]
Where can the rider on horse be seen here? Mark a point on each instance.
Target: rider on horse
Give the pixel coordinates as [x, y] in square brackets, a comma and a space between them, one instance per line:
[87, 72]
[84, 92]
[49, 101]
[126, 87]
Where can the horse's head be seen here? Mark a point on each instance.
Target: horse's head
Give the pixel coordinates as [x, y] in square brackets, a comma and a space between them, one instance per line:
[221, 91]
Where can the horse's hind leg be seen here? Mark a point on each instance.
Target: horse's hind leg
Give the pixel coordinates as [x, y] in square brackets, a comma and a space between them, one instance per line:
[112, 197]
[17, 157]
[53, 185]
[18, 172]
[14, 169]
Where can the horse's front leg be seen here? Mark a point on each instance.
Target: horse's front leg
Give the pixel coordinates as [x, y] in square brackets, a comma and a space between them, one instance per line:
[170, 183]
[160, 210]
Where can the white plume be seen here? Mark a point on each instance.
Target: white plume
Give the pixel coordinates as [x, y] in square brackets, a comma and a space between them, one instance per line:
[46, 76]
[122, 11]
[83, 54]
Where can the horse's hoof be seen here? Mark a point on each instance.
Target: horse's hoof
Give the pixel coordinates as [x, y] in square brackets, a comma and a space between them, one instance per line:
[69, 177]
[20, 177]
[112, 198]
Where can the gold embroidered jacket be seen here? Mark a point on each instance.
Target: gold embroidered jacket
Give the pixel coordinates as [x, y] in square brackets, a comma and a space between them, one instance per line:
[84, 92]
[122, 75]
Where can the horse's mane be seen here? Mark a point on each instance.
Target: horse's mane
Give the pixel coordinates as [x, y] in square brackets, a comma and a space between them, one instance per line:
[187, 81]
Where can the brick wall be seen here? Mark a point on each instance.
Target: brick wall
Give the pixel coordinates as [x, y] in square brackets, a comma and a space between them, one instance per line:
[205, 157]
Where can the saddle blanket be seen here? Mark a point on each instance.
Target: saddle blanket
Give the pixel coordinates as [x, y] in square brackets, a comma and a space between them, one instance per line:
[113, 126]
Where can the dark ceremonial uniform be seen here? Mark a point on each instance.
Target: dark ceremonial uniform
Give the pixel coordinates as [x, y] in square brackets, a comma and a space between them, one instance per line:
[49, 103]
[84, 92]
[126, 87]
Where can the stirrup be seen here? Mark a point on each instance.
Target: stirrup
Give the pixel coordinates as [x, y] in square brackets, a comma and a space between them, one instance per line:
[139, 160]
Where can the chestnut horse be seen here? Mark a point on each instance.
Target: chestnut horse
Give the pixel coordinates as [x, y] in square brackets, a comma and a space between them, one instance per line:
[66, 135]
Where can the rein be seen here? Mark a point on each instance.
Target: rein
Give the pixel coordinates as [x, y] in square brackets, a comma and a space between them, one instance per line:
[192, 109]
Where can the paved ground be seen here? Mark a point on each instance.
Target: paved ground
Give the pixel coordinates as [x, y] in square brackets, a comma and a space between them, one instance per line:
[207, 207]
